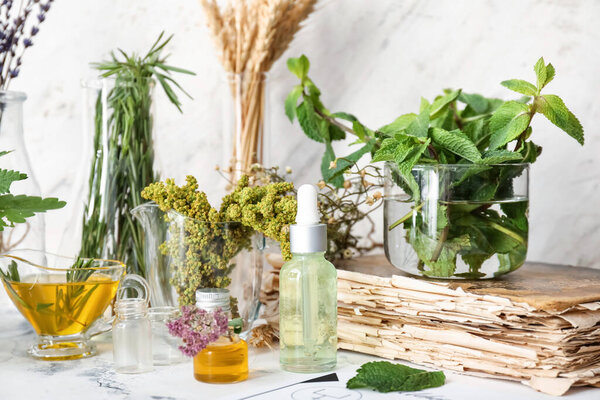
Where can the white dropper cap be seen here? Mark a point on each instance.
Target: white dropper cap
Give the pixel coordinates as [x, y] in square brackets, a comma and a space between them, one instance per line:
[308, 212]
[308, 235]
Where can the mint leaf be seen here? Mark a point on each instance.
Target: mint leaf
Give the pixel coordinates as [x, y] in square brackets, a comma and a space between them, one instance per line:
[500, 156]
[7, 177]
[386, 151]
[520, 86]
[555, 110]
[299, 66]
[405, 167]
[477, 102]
[291, 100]
[384, 376]
[14, 209]
[419, 126]
[507, 123]
[541, 73]
[343, 163]
[344, 116]
[309, 120]
[550, 72]
[530, 152]
[439, 105]
[328, 157]
[399, 124]
[457, 143]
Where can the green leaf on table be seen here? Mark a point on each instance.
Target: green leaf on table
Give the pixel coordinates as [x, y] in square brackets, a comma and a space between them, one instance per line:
[419, 126]
[14, 209]
[500, 156]
[399, 124]
[299, 66]
[7, 177]
[384, 376]
[520, 86]
[507, 123]
[291, 102]
[557, 112]
[457, 143]
[309, 120]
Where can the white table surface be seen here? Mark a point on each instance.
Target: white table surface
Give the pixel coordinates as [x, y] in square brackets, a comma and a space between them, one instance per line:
[22, 377]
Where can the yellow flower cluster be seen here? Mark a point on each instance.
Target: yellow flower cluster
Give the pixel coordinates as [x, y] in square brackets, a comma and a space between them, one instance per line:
[204, 241]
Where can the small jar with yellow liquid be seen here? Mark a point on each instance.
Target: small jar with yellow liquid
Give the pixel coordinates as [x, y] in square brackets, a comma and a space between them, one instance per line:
[226, 359]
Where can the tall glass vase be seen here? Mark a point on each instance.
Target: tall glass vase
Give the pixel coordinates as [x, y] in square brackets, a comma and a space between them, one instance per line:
[30, 234]
[245, 112]
[118, 116]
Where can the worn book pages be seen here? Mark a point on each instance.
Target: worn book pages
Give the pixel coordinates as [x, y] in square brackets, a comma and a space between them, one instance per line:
[539, 325]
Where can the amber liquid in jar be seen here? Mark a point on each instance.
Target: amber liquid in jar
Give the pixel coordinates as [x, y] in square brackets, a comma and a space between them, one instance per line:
[223, 361]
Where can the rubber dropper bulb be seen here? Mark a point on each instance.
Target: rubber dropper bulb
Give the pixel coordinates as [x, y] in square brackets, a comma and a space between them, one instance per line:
[308, 211]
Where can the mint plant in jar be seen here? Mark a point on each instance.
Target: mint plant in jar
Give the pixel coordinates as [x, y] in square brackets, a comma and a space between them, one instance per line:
[456, 171]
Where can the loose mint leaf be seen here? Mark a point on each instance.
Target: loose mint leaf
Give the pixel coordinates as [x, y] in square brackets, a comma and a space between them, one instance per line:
[7, 177]
[299, 66]
[385, 377]
[309, 120]
[555, 110]
[399, 124]
[439, 105]
[14, 209]
[507, 123]
[541, 73]
[419, 126]
[550, 72]
[291, 101]
[477, 102]
[520, 86]
[500, 156]
[457, 143]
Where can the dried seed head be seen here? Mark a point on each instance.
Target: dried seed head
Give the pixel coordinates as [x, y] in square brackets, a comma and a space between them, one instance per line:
[347, 254]
[347, 184]
[370, 201]
[331, 221]
[321, 184]
[288, 170]
[377, 195]
[333, 164]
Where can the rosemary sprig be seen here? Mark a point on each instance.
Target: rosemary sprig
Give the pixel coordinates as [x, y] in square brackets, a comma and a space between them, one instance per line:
[109, 230]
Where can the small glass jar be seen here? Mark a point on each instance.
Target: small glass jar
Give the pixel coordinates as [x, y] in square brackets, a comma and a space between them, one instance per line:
[165, 347]
[132, 336]
[225, 360]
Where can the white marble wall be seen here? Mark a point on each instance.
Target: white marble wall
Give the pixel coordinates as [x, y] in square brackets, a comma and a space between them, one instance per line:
[372, 58]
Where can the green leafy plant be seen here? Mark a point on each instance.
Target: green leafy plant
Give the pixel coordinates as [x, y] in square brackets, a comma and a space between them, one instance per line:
[123, 162]
[15, 209]
[385, 377]
[455, 128]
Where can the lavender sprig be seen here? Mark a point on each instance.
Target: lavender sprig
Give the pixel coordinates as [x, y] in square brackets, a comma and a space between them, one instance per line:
[198, 328]
[19, 23]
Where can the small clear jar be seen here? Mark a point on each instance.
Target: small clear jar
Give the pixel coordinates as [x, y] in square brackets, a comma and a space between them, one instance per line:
[132, 331]
[225, 360]
[165, 347]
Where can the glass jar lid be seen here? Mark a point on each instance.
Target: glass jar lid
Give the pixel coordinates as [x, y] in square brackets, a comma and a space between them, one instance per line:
[210, 299]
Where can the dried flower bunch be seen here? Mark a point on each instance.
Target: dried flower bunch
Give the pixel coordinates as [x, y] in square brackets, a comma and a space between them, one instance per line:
[211, 238]
[17, 30]
[250, 35]
[198, 328]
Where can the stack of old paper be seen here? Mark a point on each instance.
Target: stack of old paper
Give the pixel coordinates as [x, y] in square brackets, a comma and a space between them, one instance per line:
[539, 325]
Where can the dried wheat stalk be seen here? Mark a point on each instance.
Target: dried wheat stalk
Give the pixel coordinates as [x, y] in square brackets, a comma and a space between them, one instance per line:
[250, 35]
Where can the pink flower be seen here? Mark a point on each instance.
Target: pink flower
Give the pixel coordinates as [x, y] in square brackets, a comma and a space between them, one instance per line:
[198, 328]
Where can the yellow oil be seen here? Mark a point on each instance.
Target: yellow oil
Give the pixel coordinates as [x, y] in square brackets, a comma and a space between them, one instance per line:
[223, 361]
[57, 308]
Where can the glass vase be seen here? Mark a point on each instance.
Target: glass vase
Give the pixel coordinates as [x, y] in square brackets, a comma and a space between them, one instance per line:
[184, 254]
[30, 234]
[118, 116]
[464, 221]
[245, 112]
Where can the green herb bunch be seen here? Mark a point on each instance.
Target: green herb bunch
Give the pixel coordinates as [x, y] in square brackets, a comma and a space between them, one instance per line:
[204, 240]
[124, 154]
[455, 128]
[15, 209]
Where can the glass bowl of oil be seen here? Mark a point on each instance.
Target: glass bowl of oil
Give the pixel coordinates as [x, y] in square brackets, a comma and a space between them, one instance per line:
[61, 297]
